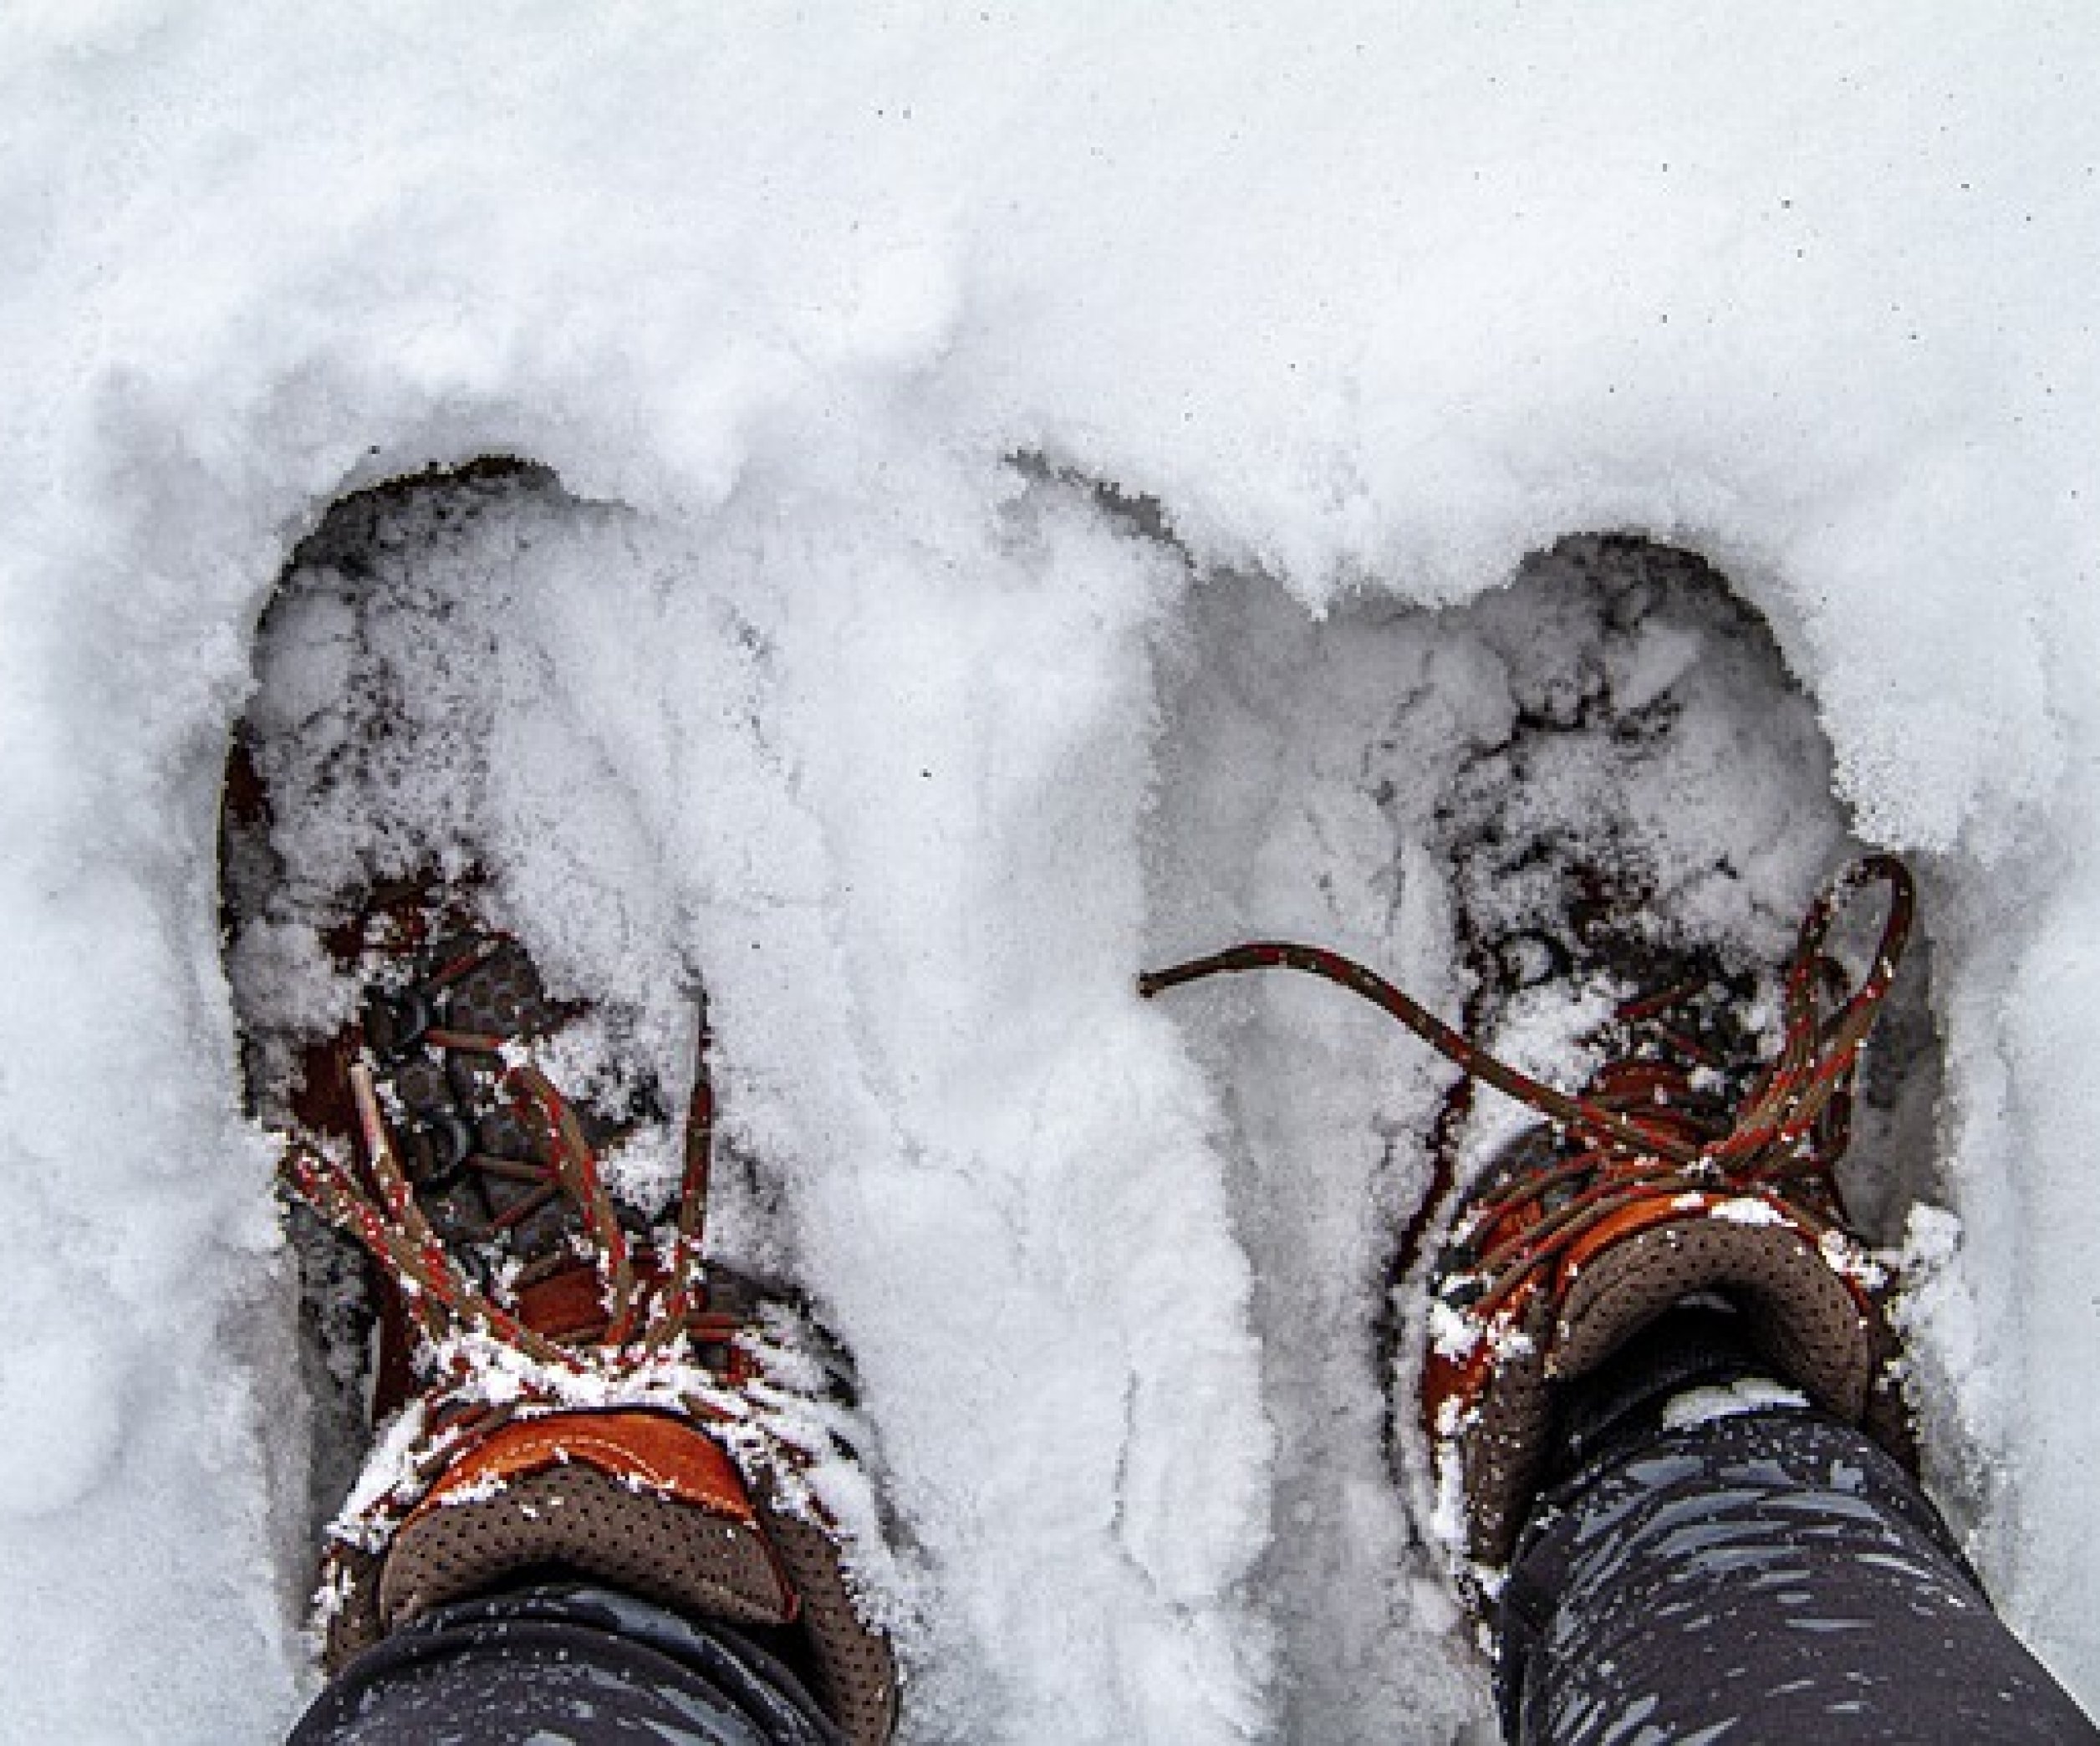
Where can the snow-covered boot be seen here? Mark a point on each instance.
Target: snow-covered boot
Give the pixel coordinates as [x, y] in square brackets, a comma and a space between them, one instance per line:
[1681, 1170]
[1667, 1178]
[581, 1396]
[563, 1382]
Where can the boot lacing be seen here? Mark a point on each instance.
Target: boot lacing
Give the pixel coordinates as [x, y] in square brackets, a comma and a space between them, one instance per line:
[1639, 1129]
[488, 1366]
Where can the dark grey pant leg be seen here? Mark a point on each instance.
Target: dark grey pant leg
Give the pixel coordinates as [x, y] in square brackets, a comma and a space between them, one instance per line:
[1771, 1576]
[568, 1662]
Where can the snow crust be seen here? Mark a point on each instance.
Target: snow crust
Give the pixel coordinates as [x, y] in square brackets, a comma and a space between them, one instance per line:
[878, 728]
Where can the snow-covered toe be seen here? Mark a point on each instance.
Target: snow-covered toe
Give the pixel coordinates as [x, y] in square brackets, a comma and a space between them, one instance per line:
[1539, 812]
[565, 1376]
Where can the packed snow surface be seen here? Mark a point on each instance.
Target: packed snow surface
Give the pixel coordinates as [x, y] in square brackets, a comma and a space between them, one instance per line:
[1012, 462]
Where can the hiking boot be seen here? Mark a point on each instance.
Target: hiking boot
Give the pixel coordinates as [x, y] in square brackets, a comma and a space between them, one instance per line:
[559, 1387]
[1683, 1171]
[563, 1384]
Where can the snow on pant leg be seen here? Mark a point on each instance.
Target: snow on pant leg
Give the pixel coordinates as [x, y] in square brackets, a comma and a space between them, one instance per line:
[1767, 1576]
[564, 1662]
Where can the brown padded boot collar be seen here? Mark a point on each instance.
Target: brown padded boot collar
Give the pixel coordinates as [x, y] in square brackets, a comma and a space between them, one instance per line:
[580, 1520]
[646, 1450]
[1800, 1313]
[856, 1669]
[649, 1505]
[635, 1498]
[1502, 1453]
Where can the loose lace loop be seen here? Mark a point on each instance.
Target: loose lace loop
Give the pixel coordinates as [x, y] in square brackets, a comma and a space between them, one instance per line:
[1638, 1129]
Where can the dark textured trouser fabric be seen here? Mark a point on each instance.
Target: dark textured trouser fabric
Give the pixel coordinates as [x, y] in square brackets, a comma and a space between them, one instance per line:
[1770, 1576]
[564, 1664]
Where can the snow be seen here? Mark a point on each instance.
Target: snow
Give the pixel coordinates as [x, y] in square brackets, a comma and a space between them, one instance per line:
[1746, 1394]
[918, 754]
[1746, 1209]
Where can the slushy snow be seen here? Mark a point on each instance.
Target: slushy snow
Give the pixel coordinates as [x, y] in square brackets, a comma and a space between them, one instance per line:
[1022, 476]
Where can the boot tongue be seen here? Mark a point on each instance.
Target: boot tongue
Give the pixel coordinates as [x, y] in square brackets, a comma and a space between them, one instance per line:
[570, 1307]
[567, 1306]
